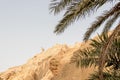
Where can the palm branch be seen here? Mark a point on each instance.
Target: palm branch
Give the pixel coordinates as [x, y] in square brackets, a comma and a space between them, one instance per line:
[105, 48]
[115, 12]
[85, 58]
[57, 6]
[75, 9]
[107, 76]
[90, 56]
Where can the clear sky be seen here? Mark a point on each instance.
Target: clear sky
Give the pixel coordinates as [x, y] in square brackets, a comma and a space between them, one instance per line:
[26, 26]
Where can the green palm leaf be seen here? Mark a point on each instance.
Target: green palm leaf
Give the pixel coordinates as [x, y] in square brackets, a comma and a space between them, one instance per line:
[100, 20]
[90, 56]
[107, 76]
[110, 22]
[57, 6]
[76, 11]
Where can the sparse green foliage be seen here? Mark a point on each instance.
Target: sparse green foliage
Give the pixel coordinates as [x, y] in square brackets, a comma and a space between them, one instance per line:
[90, 56]
[107, 76]
[114, 12]
[75, 9]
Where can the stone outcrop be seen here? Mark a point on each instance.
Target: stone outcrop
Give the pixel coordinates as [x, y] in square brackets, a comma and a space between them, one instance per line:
[51, 64]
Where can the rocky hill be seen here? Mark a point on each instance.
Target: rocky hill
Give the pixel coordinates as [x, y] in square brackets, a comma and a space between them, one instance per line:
[51, 64]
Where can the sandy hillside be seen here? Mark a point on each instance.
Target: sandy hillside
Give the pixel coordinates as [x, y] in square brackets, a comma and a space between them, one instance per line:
[51, 64]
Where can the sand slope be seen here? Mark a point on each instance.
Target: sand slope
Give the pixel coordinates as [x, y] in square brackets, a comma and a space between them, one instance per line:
[51, 64]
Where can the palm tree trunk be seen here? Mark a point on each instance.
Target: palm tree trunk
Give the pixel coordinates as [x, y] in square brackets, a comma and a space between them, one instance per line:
[104, 50]
[100, 67]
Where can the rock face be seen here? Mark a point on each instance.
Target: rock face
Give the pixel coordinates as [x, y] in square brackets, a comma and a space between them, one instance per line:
[52, 64]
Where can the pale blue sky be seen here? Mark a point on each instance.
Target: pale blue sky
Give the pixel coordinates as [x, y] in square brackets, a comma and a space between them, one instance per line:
[27, 25]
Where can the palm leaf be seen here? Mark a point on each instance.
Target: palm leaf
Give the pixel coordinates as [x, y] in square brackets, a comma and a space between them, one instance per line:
[107, 76]
[85, 58]
[105, 48]
[110, 22]
[76, 11]
[57, 7]
[100, 20]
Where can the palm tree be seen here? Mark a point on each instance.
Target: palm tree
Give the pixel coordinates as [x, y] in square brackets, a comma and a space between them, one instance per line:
[75, 9]
[90, 56]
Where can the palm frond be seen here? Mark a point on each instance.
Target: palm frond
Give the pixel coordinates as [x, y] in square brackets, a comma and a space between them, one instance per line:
[110, 22]
[57, 6]
[92, 56]
[107, 76]
[100, 20]
[113, 58]
[75, 11]
[89, 56]
[105, 48]
[88, 62]
[85, 58]
[100, 41]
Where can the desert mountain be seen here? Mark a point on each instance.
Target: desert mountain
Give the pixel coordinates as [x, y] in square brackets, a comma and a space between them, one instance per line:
[51, 64]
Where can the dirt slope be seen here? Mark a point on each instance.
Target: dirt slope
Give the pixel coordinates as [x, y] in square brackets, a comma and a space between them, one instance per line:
[52, 64]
